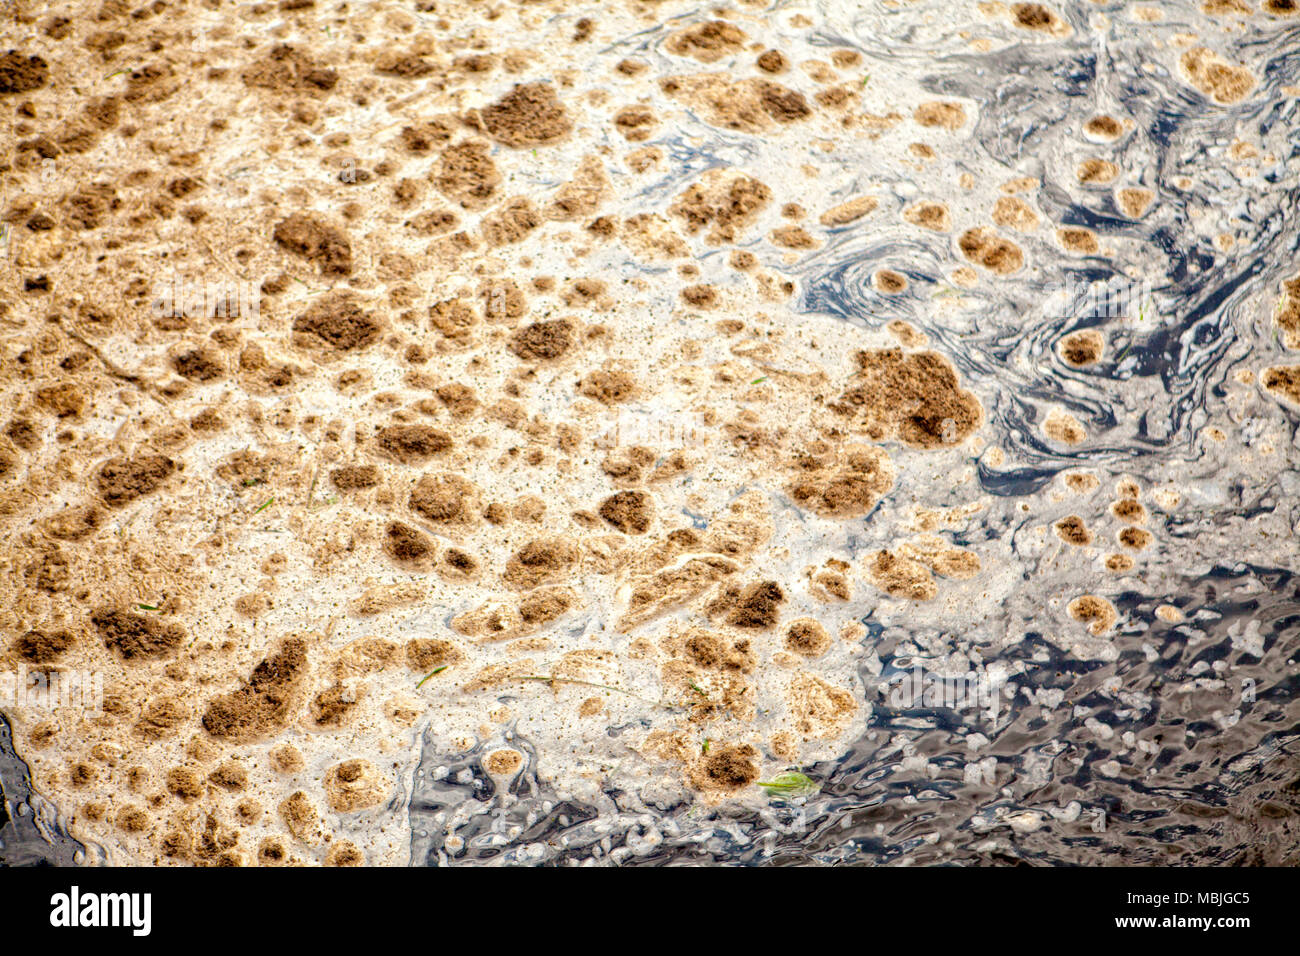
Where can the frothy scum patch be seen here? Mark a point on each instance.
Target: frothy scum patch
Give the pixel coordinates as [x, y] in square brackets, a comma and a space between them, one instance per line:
[488, 413]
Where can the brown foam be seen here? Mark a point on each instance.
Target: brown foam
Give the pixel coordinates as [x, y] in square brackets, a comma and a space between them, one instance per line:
[1214, 76]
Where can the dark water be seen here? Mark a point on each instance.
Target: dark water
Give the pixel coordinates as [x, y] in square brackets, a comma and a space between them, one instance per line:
[1202, 793]
[30, 832]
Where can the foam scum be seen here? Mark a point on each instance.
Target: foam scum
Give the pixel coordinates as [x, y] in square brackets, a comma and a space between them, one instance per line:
[381, 373]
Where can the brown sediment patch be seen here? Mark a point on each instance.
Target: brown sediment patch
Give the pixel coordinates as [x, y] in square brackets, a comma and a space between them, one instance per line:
[423, 654]
[1134, 202]
[137, 638]
[542, 341]
[940, 114]
[337, 321]
[504, 762]
[445, 499]
[793, 237]
[198, 365]
[529, 115]
[1098, 613]
[889, 282]
[914, 397]
[64, 400]
[662, 591]
[831, 581]
[455, 319]
[42, 647]
[412, 444]
[807, 638]
[772, 61]
[1215, 77]
[1081, 482]
[344, 853]
[21, 73]
[546, 604]
[406, 544]
[1136, 538]
[628, 511]
[900, 577]
[722, 202]
[1063, 427]
[540, 561]
[333, 707]
[286, 69]
[710, 651]
[120, 481]
[404, 65]
[847, 488]
[503, 300]
[490, 622]
[457, 565]
[1283, 381]
[353, 785]
[1078, 239]
[160, 718]
[987, 249]
[849, 211]
[1035, 16]
[636, 123]
[23, 434]
[185, 783]
[780, 103]
[355, 477]
[754, 606]
[466, 174]
[608, 386]
[1072, 530]
[1096, 172]
[511, 222]
[1129, 511]
[707, 42]
[302, 819]
[421, 138]
[1281, 8]
[75, 523]
[726, 768]
[747, 105]
[1020, 184]
[583, 195]
[1119, 563]
[1286, 314]
[1103, 127]
[1081, 348]
[316, 241]
[929, 215]
[266, 702]
[1013, 212]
